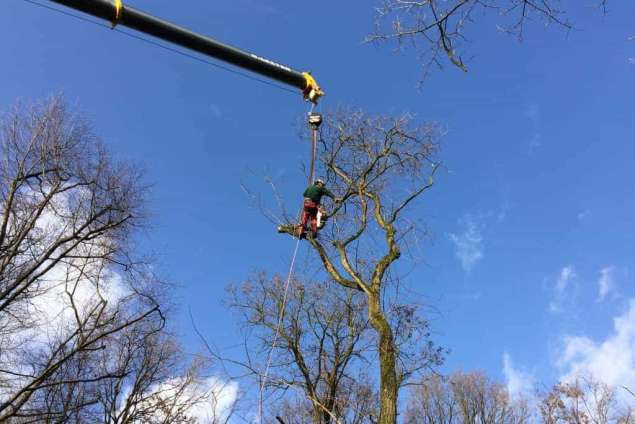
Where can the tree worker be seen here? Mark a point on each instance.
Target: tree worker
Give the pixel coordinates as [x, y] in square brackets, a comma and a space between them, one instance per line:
[312, 197]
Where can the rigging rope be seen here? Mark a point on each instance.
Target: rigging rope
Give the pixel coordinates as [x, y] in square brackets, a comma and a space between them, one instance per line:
[313, 149]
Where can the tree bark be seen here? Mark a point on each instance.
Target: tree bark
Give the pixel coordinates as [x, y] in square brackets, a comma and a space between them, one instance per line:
[389, 384]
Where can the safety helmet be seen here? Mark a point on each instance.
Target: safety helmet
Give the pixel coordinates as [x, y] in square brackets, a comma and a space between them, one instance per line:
[319, 181]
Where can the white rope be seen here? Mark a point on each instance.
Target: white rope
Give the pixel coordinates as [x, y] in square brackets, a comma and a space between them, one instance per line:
[278, 326]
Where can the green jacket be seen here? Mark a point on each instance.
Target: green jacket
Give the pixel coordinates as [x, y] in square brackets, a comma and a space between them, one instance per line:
[315, 193]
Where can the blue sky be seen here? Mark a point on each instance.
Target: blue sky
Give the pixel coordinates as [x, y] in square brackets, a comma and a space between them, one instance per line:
[531, 261]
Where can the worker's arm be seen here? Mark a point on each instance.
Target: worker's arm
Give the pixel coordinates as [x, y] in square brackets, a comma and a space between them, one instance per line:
[327, 192]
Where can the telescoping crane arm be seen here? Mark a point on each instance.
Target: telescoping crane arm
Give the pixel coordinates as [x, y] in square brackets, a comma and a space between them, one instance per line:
[119, 14]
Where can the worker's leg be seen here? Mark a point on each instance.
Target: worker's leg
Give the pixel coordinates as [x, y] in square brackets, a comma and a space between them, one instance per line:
[299, 231]
[307, 213]
[305, 217]
[314, 228]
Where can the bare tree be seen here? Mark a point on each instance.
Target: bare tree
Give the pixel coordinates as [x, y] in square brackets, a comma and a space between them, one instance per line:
[321, 347]
[357, 399]
[154, 384]
[465, 398]
[379, 167]
[82, 335]
[160, 386]
[436, 29]
[474, 398]
[585, 400]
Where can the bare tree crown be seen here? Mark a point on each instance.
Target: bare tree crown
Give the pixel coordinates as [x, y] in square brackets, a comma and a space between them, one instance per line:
[82, 335]
[438, 29]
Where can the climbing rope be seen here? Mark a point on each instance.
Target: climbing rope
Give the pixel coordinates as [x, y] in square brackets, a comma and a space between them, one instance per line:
[278, 327]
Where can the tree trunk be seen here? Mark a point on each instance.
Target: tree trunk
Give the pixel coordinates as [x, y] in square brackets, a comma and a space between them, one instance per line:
[387, 362]
[317, 414]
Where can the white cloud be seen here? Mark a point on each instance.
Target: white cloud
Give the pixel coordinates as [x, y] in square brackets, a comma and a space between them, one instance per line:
[74, 285]
[606, 283]
[611, 361]
[207, 401]
[70, 286]
[70, 290]
[218, 399]
[562, 288]
[468, 245]
[520, 384]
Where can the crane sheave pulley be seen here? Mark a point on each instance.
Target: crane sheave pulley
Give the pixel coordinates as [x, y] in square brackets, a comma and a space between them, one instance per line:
[120, 14]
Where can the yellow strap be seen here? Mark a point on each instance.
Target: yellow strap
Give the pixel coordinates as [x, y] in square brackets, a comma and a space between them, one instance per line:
[312, 91]
[118, 9]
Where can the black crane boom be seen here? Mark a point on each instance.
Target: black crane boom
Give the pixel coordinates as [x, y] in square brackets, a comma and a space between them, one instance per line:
[117, 13]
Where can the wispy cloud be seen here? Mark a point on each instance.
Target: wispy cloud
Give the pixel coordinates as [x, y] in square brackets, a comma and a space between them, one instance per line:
[520, 383]
[216, 111]
[562, 288]
[502, 212]
[584, 215]
[611, 360]
[468, 244]
[535, 142]
[247, 6]
[532, 112]
[566, 275]
[606, 283]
